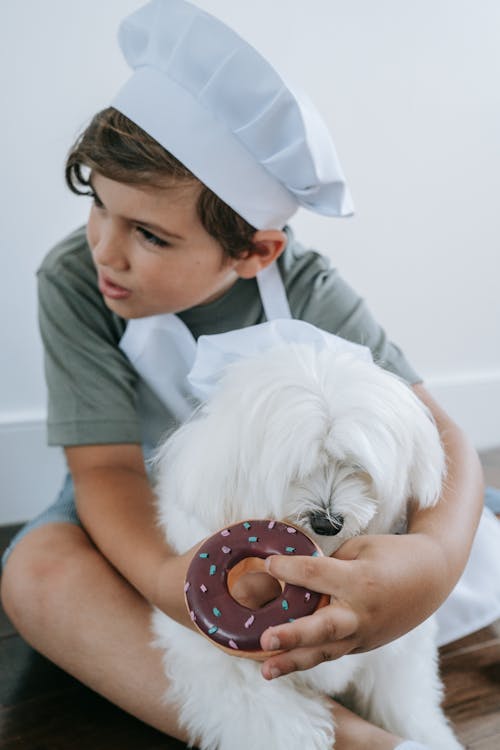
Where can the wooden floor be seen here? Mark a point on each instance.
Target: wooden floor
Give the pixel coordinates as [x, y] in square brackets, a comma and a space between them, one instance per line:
[42, 708]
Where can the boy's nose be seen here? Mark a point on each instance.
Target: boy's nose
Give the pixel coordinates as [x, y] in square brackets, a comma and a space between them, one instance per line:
[110, 252]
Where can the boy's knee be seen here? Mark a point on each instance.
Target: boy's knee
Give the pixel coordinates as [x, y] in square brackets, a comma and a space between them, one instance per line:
[39, 572]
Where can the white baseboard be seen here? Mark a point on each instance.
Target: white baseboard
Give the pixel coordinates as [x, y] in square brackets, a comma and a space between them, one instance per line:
[32, 473]
[473, 401]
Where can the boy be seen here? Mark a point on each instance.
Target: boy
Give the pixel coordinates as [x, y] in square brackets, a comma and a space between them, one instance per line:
[194, 172]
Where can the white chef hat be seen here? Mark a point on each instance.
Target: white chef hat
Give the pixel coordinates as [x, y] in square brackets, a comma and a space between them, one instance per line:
[219, 107]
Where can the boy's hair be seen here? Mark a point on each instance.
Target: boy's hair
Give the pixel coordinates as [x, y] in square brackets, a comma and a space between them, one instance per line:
[120, 150]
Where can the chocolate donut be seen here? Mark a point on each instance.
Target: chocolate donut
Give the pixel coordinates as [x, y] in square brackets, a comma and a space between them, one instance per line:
[213, 610]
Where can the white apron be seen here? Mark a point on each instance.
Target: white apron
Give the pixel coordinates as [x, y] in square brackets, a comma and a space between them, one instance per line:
[180, 371]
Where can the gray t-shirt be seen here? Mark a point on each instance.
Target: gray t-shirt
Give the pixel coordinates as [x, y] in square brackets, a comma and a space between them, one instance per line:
[94, 393]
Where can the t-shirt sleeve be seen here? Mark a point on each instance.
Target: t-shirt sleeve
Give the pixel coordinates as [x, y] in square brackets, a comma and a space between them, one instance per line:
[319, 295]
[91, 385]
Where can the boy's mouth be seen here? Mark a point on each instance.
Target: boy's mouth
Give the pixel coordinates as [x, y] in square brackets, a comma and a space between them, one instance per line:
[109, 289]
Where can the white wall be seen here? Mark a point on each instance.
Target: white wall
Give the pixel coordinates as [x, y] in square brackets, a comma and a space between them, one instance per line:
[410, 90]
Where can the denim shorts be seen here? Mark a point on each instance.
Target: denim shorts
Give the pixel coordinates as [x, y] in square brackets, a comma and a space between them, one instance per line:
[63, 509]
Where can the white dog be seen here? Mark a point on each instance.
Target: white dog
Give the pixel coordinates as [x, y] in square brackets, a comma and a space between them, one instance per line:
[337, 446]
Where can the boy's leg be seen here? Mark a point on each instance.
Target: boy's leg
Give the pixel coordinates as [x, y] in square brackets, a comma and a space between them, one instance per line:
[72, 606]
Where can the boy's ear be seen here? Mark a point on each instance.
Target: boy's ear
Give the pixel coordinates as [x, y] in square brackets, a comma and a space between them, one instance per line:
[268, 244]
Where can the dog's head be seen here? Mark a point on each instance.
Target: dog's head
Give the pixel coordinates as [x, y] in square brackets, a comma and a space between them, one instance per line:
[326, 440]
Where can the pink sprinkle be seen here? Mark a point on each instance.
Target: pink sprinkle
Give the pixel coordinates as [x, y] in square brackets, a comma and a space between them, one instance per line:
[307, 596]
[186, 586]
[249, 621]
[291, 530]
[193, 616]
[271, 524]
[226, 550]
[203, 588]
[226, 532]
[233, 644]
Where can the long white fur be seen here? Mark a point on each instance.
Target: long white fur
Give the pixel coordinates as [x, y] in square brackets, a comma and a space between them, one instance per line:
[287, 432]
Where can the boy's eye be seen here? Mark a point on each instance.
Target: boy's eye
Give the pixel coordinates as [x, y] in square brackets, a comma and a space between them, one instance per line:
[152, 238]
[148, 236]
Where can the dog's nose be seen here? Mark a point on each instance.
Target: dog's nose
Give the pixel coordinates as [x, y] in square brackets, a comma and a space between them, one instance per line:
[325, 525]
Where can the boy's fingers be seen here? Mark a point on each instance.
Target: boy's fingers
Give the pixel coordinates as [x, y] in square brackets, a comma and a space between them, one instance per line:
[323, 628]
[315, 573]
[327, 634]
[305, 658]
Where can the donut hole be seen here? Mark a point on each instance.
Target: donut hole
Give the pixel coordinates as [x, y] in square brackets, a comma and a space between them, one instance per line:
[250, 584]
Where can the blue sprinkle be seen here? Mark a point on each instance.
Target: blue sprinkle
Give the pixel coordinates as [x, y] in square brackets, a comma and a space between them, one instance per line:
[284, 604]
[253, 539]
[213, 568]
[216, 612]
[213, 630]
[315, 553]
[290, 549]
[292, 619]
[247, 525]
[203, 554]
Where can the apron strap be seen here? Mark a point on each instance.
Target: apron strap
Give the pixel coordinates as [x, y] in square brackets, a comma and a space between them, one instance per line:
[272, 293]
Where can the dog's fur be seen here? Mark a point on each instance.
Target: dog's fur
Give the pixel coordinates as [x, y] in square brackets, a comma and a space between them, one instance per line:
[291, 432]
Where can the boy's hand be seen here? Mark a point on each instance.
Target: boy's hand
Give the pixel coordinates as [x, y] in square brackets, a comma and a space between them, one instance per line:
[381, 587]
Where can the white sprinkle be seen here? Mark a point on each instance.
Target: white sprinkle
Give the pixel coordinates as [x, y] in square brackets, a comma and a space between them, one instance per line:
[226, 532]
[271, 524]
[193, 616]
[307, 596]
[249, 622]
[226, 550]
[186, 586]
[291, 530]
[203, 588]
[233, 644]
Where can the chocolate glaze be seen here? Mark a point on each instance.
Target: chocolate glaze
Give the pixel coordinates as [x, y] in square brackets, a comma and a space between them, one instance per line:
[214, 611]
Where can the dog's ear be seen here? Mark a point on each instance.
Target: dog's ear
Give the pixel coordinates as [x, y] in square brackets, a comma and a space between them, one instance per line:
[428, 466]
[379, 423]
[419, 455]
[196, 470]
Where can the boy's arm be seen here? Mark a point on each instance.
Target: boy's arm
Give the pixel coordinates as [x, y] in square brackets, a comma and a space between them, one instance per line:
[452, 523]
[115, 503]
[385, 585]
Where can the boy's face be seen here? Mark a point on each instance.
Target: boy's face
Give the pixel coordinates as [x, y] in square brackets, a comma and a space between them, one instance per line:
[151, 252]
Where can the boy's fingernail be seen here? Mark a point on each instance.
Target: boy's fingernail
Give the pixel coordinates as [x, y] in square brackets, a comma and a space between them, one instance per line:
[274, 643]
[274, 672]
